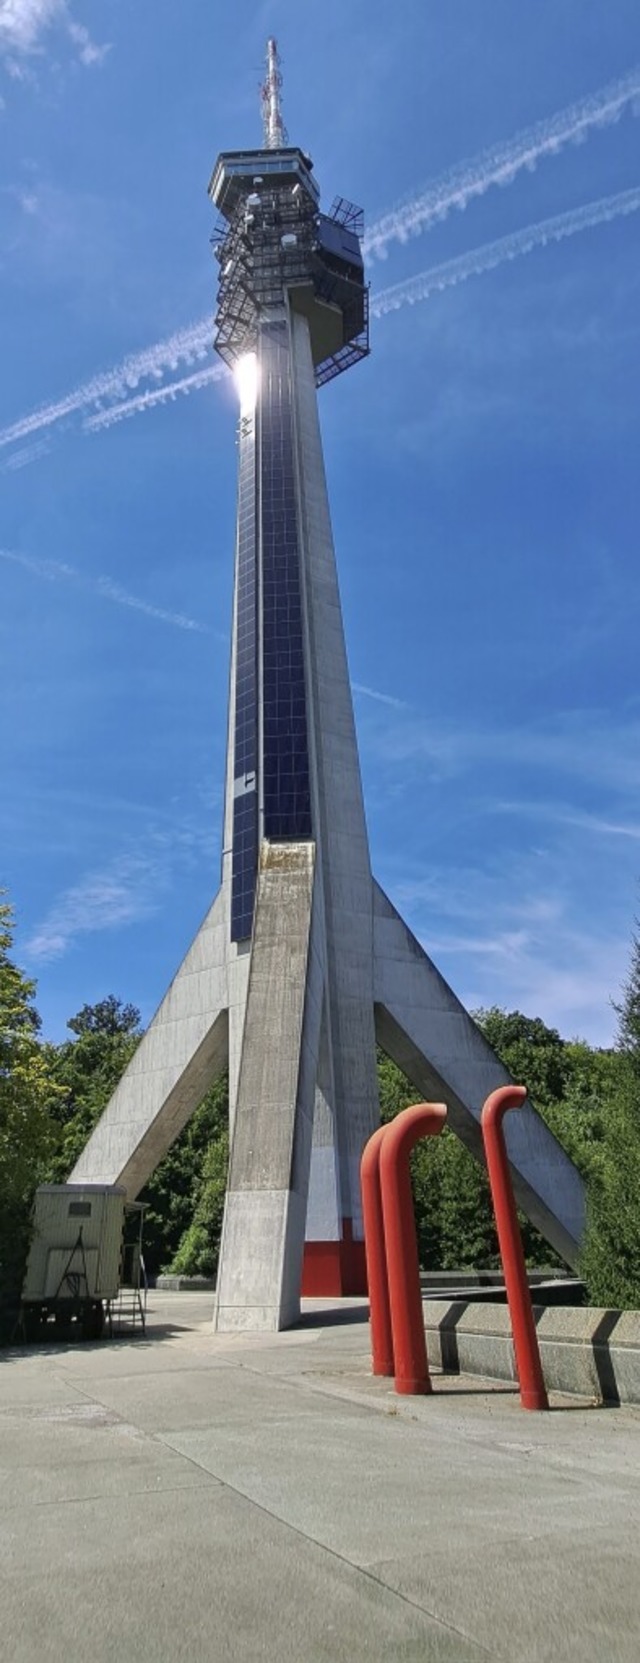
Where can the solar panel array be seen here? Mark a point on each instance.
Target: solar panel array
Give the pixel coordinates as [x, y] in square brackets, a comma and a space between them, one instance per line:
[245, 784]
[269, 633]
[285, 758]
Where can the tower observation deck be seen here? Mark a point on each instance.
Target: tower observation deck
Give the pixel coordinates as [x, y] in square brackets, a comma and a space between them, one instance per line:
[302, 962]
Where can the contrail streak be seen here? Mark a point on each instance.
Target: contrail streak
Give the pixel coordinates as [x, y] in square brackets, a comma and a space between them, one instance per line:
[512, 247]
[501, 164]
[185, 346]
[158, 395]
[498, 166]
[57, 571]
[27, 453]
[414, 289]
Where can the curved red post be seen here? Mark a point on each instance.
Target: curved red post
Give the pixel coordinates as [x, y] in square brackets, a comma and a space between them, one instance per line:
[533, 1394]
[403, 1269]
[377, 1279]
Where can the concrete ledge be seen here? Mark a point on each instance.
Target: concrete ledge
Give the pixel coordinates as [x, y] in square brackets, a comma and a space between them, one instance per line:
[585, 1351]
[185, 1284]
[488, 1286]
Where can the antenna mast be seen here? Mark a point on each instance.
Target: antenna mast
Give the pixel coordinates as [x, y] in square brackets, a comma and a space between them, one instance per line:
[275, 132]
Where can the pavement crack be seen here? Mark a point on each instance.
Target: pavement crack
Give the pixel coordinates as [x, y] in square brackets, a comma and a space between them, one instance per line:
[359, 1570]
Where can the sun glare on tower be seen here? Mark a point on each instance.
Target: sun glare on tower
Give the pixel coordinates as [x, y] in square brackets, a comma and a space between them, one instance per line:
[246, 378]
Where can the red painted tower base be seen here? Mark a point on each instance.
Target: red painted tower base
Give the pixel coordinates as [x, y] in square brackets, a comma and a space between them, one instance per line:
[334, 1269]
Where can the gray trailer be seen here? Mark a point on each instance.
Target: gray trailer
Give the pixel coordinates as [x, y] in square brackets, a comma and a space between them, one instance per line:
[75, 1263]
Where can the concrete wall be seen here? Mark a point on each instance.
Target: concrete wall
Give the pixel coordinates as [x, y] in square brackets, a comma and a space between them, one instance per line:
[585, 1351]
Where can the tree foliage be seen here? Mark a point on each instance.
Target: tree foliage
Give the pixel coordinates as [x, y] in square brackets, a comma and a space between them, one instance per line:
[628, 1010]
[534, 1054]
[87, 1070]
[197, 1254]
[178, 1195]
[108, 1017]
[28, 1099]
[610, 1259]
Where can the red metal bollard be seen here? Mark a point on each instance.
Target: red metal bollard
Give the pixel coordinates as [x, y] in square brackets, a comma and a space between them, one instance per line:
[533, 1393]
[377, 1278]
[403, 1269]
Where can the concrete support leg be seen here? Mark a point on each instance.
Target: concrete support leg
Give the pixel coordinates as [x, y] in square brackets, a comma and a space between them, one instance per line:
[183, 1051]
[264, 1222]
[429, 1034]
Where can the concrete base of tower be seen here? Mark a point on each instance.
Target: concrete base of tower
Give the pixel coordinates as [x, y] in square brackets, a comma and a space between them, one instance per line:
[265, 1011]
[334, 1269]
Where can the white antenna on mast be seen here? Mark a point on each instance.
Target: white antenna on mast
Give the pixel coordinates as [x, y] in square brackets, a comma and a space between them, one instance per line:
[275, 133]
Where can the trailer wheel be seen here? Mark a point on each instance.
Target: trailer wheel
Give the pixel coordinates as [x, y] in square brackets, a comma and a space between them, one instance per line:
[34, 1323]
[93, 1320]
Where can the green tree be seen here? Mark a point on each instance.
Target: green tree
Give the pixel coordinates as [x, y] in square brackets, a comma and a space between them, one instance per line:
[199, 1247]
[579, 1119]
[395, 1091]
[186, 1193]
[467, 1230]
[109, 1016]
[535, 1055]
[87, 1070]
[28, 1099]
[610, 1260]
[628, 1011]
[454, 1221]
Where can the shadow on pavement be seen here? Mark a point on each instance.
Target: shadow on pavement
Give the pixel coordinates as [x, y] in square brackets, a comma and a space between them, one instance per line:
[333, 1317]
[66, 1348]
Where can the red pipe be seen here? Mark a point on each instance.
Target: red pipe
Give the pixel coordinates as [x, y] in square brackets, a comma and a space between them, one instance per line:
[403, 1269]
[377, 1279]
[533, 1394]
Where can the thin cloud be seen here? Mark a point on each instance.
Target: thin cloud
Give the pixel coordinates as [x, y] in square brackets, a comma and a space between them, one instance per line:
[594, 824]
[567, 976]
[55, 571]
[27, 454]
[582, 745]
[88, 53]
[513, 935]
[184, 346]
[124, 891]
[160, 395]
[502, 164]
[25, 23]
[381, 698]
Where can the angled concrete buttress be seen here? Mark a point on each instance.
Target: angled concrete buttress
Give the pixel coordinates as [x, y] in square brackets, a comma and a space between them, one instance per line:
[302, 961]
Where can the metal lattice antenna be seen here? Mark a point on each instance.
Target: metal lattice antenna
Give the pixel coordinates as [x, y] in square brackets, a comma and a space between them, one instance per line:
[275, 132]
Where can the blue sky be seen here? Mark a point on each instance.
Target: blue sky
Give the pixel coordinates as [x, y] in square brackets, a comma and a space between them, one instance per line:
[482, 467]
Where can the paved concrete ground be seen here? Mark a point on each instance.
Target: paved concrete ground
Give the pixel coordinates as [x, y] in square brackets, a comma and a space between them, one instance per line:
[242, 1498]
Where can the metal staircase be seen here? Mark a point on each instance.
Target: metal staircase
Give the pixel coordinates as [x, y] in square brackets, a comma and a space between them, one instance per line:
[126, 1313]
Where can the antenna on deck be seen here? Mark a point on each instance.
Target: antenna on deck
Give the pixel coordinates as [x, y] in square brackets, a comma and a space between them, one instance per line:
[275, 132]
